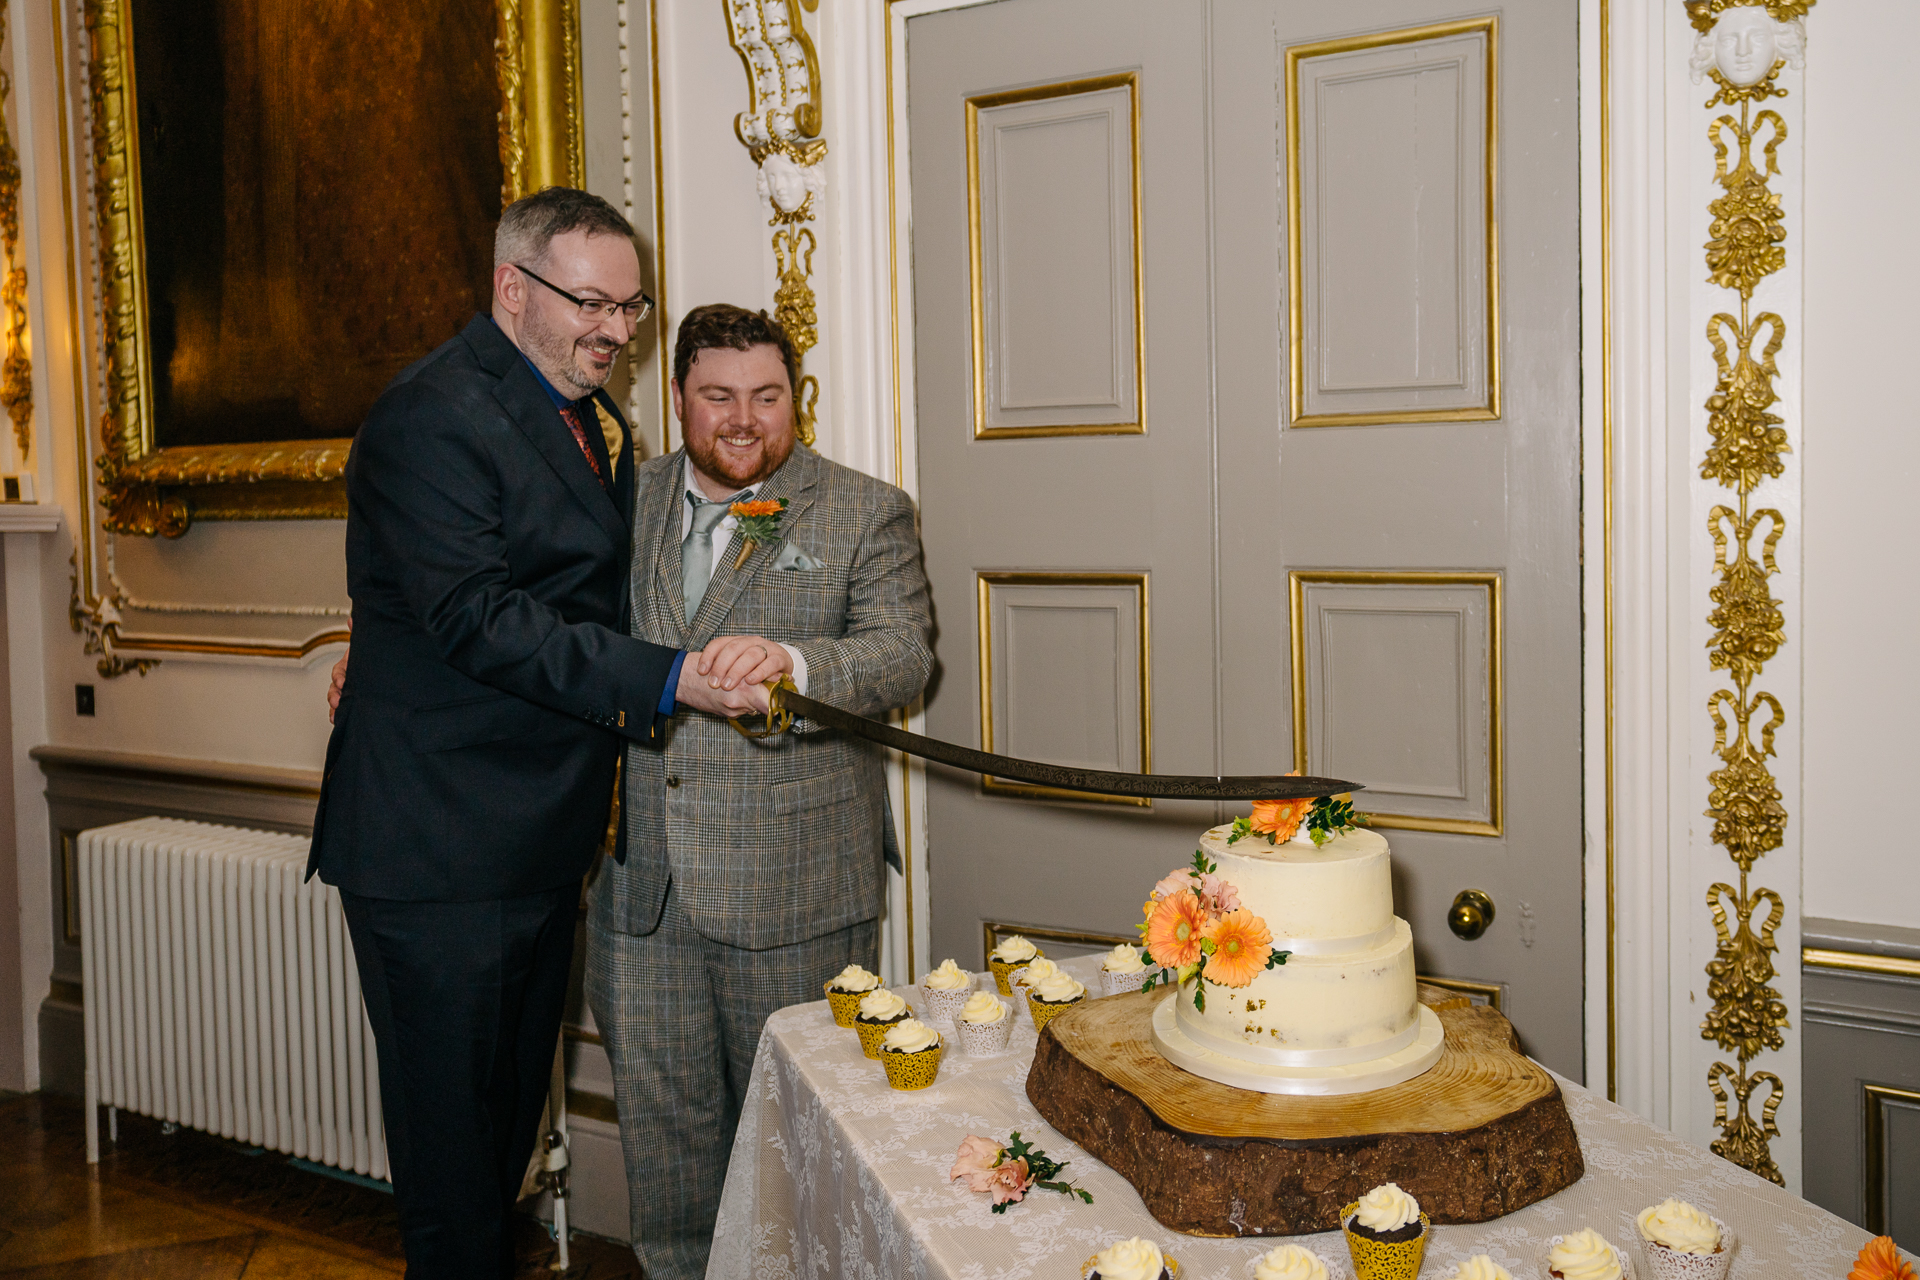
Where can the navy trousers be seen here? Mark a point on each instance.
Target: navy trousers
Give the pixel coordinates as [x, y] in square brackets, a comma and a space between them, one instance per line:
[465, 999]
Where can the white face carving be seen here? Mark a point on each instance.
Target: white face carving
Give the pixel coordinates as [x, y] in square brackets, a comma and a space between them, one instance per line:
[786, 182]
[1745, 45]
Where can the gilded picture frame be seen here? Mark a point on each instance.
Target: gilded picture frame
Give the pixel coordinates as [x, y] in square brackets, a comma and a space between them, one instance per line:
[149, 490]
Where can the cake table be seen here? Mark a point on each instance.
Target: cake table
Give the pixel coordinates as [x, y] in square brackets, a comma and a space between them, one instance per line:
[1482, 1133]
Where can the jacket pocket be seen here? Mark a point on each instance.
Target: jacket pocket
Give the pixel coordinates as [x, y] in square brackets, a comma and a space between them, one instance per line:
[470, 722]
[835, 789]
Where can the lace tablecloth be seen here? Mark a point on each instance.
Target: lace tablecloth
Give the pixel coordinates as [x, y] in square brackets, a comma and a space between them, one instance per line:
[836, 1175]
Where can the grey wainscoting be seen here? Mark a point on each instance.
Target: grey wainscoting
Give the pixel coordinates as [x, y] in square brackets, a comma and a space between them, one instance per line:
[1861, 1048]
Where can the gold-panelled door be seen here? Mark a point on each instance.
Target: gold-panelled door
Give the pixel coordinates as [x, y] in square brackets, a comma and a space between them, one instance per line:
[1239, 452]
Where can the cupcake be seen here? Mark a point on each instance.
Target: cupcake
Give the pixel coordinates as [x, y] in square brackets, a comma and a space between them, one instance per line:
[1053, 996]
[1290, 1262]
[910, 1051]
[1134, 1259]
[844, 991]
[984, 1024]
[1481, 1267]
[946, 990]
[879, 1009]
[1585, 1255]
[1682, 1243]
[1012, 952]
[1027, 977]
[1386, 1234]
[1123, 970]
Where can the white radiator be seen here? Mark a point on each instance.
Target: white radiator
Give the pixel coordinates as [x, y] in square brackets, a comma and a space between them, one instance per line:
[221, 992]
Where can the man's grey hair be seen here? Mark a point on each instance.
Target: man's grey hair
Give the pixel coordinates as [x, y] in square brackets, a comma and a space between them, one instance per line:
[529, 224]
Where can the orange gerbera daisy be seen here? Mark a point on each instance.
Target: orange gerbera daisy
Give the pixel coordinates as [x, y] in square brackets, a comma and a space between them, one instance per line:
[1279, 818]
[768, 508]
[1174, 932]
[1880, 1261]
[1241, 945]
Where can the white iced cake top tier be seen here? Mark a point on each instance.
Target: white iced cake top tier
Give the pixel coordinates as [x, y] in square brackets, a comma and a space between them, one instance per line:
[1332, 899]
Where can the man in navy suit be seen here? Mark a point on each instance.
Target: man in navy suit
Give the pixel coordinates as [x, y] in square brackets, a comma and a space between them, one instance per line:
[493, 688]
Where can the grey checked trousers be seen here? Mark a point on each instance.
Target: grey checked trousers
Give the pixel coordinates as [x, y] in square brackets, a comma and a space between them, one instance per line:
[680, 1016]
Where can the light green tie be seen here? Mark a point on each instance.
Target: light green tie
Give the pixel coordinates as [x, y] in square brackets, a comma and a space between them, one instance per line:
[696, 553]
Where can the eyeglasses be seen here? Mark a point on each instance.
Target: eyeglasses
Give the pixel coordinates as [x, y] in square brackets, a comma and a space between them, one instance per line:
[636, 308]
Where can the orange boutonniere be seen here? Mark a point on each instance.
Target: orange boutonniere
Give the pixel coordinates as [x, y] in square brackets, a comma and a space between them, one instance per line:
[758, 522]
[1880, 1260]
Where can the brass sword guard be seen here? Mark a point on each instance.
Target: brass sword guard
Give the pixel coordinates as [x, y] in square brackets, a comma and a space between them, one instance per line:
[779, 719]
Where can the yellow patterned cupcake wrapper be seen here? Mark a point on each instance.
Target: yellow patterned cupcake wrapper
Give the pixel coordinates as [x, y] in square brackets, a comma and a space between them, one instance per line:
[910, 1071]
[1381, 1259]
[1043, 1013]
[872, 1033]
[1002, 970]
[845, 1004]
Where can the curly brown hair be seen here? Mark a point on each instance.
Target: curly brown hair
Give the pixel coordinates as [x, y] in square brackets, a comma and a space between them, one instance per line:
[721, 324]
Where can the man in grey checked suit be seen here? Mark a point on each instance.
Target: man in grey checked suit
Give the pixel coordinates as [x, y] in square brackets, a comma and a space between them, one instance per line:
[753, 868]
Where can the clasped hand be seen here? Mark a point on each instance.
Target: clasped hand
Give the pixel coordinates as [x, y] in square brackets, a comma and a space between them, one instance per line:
[727, 678]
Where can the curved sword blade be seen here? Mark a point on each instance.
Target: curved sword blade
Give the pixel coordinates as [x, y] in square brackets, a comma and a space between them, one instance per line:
[1162, 785]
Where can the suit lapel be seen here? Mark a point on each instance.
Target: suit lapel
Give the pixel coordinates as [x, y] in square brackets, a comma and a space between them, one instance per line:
[658, 511]
[794, 482]
[532, 412]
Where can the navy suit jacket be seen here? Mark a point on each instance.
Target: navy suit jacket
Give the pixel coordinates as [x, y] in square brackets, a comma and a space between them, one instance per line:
[493, 684]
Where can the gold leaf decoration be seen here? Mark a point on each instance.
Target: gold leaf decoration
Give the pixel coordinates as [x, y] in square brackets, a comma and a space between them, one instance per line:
[16, 372]
[1747, 444]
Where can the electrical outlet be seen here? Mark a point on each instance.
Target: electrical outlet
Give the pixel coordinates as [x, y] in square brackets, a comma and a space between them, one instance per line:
[83, 699]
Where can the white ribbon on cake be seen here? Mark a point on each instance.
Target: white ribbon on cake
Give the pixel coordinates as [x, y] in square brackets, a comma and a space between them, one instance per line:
[1336, 946]
[1234, 1047]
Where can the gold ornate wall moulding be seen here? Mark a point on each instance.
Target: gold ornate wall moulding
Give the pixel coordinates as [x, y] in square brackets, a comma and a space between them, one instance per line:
[146, 489]
[1746, 447]
[16, 370]
[781, 131]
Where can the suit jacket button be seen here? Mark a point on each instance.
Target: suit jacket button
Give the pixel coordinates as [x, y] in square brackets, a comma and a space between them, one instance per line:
[673, 780]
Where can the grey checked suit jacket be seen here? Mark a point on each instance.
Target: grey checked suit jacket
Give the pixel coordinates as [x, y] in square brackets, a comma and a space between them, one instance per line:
[774, 841]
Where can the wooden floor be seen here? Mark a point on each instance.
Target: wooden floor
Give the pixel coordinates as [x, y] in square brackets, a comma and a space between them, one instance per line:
[186, 1205]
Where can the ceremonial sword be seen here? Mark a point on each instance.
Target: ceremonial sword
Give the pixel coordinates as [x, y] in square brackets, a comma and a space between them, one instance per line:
[784, 703]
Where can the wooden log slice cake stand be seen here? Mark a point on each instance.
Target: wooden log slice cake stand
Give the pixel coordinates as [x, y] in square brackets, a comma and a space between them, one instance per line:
[1481, 1134]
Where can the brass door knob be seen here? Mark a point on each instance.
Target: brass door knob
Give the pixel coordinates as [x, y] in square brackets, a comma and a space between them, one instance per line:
[1471, 913]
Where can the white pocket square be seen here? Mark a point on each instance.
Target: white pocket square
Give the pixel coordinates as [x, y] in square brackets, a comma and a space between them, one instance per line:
[792, 557]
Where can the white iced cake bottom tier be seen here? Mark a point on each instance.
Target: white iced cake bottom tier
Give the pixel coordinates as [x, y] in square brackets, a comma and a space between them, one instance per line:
[1314, 1010]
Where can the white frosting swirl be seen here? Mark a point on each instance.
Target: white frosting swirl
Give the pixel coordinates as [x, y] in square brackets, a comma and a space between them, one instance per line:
[1584, 1255]
[1481, 1267]
[982, 1007]
[909, 1035]
[1386, 1208]
[1681, 1227]
[1134, 1259]
[881, 1006]
[1013, 949]
[1059, 988]
[1038, 971]
[948, 977]
[854, 978]
[1124, 958]
[1290, 1262]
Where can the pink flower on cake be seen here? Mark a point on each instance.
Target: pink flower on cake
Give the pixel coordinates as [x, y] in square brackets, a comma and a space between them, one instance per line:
[1241, 945]
[1218, 896]
[1174, 933]
[1175, 882]
[975, 1163]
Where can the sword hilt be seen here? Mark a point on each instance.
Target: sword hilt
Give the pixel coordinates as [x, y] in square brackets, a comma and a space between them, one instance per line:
[779, 719]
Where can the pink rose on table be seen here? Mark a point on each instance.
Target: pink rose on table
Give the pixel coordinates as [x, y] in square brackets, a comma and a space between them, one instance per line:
[975, 1163]
[1010, 1182]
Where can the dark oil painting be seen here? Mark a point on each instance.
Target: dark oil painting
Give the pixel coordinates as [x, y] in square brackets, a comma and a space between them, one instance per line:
[320, 180]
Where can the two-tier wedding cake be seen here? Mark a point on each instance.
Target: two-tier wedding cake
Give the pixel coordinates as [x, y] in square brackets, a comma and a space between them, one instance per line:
[1338, 1013]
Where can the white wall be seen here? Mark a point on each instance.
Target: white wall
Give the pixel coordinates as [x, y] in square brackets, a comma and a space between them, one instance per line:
[1862, 459]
